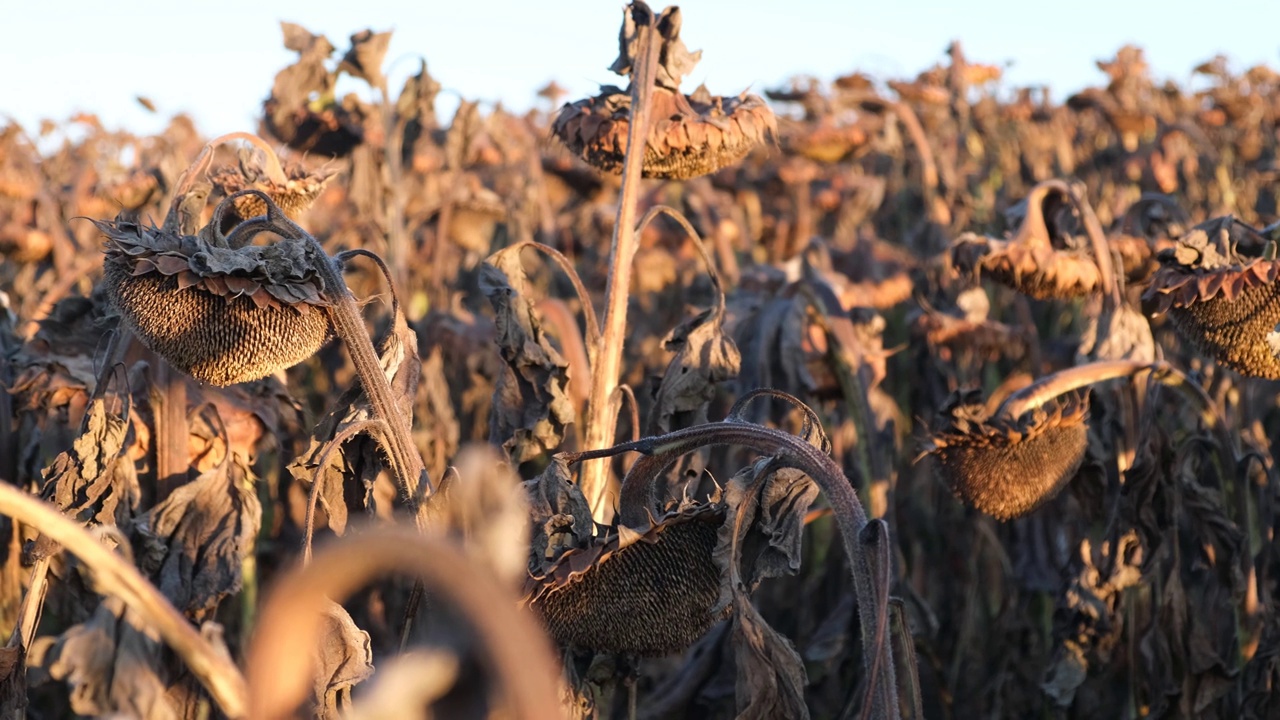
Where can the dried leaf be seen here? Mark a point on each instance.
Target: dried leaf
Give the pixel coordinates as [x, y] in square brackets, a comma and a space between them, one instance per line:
[674, 59]
[93, 481]
[194, 543]
[771, 677]
[364, 59]
[115, 666]
[532, 409]
[766, 507]
[342, 659]
[761, 538]
[561, 516]
[772, 339]
[298, 38]
[705, 356]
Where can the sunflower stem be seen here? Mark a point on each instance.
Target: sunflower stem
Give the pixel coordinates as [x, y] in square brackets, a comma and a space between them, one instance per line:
[600, 425]
[1051, 386]
[348, 323]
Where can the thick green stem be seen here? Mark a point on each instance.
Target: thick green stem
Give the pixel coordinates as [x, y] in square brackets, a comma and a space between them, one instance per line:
[605, 369]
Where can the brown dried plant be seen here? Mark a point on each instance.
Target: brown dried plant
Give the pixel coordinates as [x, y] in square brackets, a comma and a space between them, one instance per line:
[1218, 286]
[159, 529]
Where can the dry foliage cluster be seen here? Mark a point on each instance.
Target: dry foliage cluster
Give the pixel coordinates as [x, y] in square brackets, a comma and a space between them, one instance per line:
[576, 413]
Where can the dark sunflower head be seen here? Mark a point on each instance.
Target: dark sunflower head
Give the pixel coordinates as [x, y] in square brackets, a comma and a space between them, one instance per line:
[647, 595]
[1218, 286]
[221, 314]
[1007, 467]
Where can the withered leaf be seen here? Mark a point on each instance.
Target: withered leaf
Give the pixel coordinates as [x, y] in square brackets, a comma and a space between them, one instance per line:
[560, 513]
[417, 100]
[364, 59]
[300, 39]
[531, 409]
[767, 506]
[772, 341]
[343, 659]
[674, 59]
[761, 538]
[295, 84]
[93, 481]
[705, 356]
[194, 542]
[114, 666]
[771, 677]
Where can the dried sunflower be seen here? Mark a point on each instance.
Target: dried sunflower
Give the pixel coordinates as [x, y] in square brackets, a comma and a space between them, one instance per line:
[689, 135]
[1150, 225]
[1004, 466]
[825, 141]
[657, 581]
[968, 327]
[293, 189]
[1218, 285]
[645, 593]
[1044, 259]
[218, 311]
[207, 301]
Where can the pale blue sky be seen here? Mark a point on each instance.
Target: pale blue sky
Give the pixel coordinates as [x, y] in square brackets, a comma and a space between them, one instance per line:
[216, 60]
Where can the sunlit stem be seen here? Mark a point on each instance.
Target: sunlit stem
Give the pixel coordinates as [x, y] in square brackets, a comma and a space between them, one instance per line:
[600, 425]
[1049, 387]
[1064, 381]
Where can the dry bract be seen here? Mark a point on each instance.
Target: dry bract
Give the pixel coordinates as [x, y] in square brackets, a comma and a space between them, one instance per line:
[1007, 467]
[1218, 285]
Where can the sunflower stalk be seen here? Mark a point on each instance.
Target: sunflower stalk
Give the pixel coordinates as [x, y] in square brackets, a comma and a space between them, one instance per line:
[607, 362]
[348, 324]
[1051, 386]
